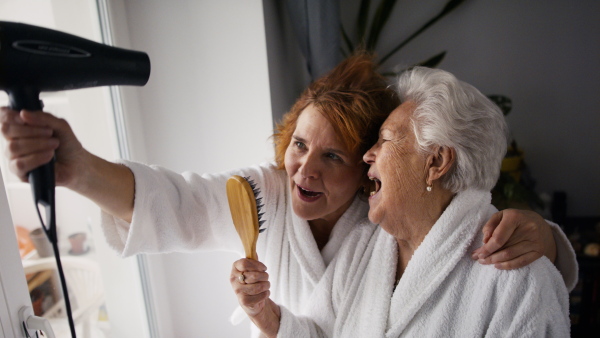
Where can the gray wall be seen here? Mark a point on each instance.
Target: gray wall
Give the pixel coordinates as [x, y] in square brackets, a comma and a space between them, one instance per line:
[544, 55]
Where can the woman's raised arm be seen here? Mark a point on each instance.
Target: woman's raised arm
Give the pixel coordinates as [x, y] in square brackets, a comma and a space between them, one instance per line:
[33, 138]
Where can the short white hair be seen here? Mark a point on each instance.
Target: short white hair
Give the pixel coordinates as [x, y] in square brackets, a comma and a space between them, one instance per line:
[452, 113]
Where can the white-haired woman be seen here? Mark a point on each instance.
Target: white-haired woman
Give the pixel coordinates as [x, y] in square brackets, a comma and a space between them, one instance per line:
[437, 158]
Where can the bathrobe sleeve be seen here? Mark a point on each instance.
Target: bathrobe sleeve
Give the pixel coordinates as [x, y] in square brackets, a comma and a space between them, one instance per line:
[566, 261]
[180, 212]
[291, 325]
[535, 304]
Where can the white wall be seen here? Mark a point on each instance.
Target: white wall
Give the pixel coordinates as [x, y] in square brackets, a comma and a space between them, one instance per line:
[205, 108]
[543, 54]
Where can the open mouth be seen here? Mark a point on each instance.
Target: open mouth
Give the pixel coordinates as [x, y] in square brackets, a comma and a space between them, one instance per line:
[376, 186]
[308, 194]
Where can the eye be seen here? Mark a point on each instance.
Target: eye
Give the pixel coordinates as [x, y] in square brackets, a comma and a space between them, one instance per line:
[333, 156]
[299, 145]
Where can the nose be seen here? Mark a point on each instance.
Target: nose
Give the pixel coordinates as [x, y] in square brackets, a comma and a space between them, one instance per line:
[310, 167]
[369, 156]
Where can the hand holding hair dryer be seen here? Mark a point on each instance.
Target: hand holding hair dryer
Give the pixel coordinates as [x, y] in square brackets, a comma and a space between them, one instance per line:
[35, 59]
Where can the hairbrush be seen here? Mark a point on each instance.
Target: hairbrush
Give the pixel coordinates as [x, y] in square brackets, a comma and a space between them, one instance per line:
[245, 207]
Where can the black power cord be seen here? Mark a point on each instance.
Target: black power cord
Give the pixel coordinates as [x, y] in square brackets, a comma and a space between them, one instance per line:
[43, 195]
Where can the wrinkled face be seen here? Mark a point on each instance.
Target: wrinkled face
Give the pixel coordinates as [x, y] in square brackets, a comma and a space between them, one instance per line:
[397, 169]
[324, 175]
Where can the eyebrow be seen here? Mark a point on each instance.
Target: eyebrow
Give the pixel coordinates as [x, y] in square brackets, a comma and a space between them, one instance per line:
[331, 150]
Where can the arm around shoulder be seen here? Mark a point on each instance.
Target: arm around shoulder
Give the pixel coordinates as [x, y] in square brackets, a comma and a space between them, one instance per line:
[566, 260]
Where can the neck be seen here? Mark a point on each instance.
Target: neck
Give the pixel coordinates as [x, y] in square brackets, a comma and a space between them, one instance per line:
[321, 230]
[414, 226]
[321, 227]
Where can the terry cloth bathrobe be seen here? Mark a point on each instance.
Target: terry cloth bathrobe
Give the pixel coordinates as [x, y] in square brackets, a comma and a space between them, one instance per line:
[442, 293]
[189, 212]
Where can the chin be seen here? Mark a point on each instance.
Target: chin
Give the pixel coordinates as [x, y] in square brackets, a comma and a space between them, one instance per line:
[301, 211]
[373, 217]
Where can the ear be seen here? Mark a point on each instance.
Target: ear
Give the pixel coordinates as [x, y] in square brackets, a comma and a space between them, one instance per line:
[439, 163]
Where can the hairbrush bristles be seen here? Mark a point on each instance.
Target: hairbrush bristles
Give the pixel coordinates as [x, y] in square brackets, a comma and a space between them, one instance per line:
[259, 204]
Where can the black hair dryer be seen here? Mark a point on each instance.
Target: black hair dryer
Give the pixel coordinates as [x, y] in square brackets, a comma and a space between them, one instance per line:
[35, 59]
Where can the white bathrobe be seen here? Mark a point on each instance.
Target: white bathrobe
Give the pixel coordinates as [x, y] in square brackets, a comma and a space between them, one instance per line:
[442, 293]
[189, 212]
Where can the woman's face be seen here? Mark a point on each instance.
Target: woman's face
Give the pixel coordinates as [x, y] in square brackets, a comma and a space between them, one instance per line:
[398, 170]
[324, 175]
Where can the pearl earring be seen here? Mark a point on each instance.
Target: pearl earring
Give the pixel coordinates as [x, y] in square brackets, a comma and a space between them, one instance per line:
[429, 188]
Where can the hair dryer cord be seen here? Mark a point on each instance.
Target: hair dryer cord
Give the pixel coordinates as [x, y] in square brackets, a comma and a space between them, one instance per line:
[50, 230]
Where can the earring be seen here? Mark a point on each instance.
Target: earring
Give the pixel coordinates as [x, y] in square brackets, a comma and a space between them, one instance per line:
[429, 186]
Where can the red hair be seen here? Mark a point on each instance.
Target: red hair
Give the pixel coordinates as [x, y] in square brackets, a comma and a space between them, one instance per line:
[353, 97]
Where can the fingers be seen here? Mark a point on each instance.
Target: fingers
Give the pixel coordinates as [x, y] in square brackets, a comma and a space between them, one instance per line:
[519, 238]
[38, 118]
[491, 224]
[33, 118]
[249, 265]
[253, 288]
[34, 137]
[513, 252]
[23, 165]
[497, 238]
[252, 277]
[16, 148]
[27, 146]
[30, 123]
[12, 130]
[518, 262]
[509, 226]
[8, 115]
[253, 272]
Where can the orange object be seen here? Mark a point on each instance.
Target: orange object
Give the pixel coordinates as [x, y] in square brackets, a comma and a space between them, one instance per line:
[25, 243]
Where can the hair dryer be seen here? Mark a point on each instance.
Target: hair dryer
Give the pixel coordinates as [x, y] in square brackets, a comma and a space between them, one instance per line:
[35, 59]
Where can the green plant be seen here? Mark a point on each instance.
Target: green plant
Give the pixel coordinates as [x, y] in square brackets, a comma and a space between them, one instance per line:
[515, 186]
[368, 31]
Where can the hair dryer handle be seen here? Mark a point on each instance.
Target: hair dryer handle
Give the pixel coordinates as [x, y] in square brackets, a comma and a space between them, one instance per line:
[42, 183]
[41, 178]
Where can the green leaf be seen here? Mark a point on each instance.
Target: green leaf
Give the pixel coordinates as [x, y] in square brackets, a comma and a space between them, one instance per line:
[433, 61]
[348, 42]
[503, 102]
[382, 14]
[450, 6]
[361, 21]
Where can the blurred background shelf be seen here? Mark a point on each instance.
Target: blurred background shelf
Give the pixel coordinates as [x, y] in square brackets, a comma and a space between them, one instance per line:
[584, 233]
